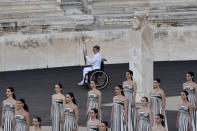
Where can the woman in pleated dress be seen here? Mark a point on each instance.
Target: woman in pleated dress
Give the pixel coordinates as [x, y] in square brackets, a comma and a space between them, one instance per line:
[191, 87]
[71, 115]
[184, 117]
[158, 102]
[93, 123]
[160, 124]
[8, 110]
[94, 99]
[58, 101]
[129, 88]
[119, 110]
[22, 119]
[144, 118]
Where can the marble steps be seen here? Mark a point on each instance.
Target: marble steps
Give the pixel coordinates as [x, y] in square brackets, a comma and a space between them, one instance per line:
[23, 6]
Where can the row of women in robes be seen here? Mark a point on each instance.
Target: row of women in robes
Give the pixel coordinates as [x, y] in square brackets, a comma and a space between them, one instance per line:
[124, 114]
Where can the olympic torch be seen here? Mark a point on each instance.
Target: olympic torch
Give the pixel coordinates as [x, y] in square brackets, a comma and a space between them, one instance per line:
[85, 41]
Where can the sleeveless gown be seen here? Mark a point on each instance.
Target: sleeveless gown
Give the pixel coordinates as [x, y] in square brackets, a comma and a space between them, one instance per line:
[118, 116]
[69, 121]
[144, 121]
[157, 108]
[184, 119]
[20, 123]
[8, 117]
[93, 103]
[192, 100]
[132, 112]
[57, 113]
[92, 128]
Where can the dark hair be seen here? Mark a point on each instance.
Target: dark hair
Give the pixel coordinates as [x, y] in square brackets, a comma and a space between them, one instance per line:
[39, 120]
[146, 98]
[106, 123]
[120, 87]
[162, 119]
[95, 111]
[97, 47]
[72, 96]
[95, 81]
[186, 93]
[131, 73]
[12, 90]
[191, 74]
[158, 80]
[60, 85]
[25, 105]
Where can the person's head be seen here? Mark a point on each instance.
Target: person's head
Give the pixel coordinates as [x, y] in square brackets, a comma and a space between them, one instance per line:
[96, 49]
[103, 126]
[93, 84]
[129, 75]
[94, 113]
[144, 101]
[37, 122]
[190, 76]
[160, 119]
[21, 104]
[70, 98]
[119, 90]
[10, 92]
[58, 88]
[184, 95]
[156, 83]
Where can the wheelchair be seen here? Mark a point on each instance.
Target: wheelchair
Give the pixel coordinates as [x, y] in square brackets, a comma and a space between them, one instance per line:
[98, 75]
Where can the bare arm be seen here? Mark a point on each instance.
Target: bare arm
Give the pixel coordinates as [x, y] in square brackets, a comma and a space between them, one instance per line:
[125, 109]
[177, 121]
[196, 96]
[190, 113]
[151, 118]
[99, 102]
[134, 94]
[77, 117]
[63, 117]
[163, 102]
[27, 121]
[2, 116]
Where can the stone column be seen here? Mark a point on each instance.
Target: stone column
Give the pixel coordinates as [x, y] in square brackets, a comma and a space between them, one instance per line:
[141, 57]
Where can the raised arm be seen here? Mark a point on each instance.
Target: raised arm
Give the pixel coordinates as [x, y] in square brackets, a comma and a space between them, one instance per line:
[93, 60]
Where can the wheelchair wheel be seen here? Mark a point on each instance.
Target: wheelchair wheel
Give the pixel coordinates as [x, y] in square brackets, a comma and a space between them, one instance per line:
[101, 77]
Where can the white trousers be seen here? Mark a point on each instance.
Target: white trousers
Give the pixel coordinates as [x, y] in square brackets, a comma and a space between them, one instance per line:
[86, 70]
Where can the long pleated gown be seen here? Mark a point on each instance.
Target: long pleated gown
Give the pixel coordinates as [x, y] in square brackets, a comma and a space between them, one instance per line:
[132, 112]
[69, 121]
[192, 100]
[8, 117]
[184, 119]
[118, 116]
[20, 123]
[92, 128]
[93, 103]
[157, 108]
[144, 121]
[57, 113]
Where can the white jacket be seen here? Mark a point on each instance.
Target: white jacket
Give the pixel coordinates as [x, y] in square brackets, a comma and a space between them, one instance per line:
[95, 61]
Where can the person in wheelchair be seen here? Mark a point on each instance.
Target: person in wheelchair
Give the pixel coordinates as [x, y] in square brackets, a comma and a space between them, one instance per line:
[95, 62]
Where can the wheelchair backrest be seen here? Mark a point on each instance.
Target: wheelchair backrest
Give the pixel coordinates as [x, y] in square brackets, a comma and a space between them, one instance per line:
[102, 63]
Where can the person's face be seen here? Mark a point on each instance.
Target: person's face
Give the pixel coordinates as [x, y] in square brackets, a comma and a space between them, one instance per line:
[92, 84]
[68, 98]
[35, 122]
[136, 22]
[158, 119]
[8, 92]
[143, 102]
[117, 90]
[20, 105]
[102, 127]
[57, 89]
[156, 84]
[128, 75]
[95, 50]
[189, 77]
[92, 114]
[183, 96]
